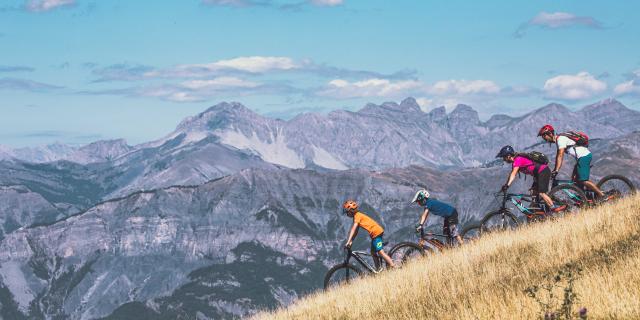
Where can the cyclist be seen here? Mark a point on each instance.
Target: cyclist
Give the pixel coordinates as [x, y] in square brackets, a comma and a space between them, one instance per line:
[540, 172]
[582, 168]
[350, 208]
[438, 208]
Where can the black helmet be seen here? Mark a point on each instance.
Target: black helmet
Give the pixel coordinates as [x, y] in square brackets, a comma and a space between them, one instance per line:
[506, 151]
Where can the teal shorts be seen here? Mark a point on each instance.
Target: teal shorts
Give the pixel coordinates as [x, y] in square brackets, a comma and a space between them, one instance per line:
[582, 170]
[377, 244]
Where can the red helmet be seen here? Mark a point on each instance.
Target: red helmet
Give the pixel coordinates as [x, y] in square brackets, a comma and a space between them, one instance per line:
[547, 128]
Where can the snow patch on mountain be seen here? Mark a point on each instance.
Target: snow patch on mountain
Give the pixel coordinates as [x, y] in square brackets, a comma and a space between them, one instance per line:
[324, 159]
[276, 151]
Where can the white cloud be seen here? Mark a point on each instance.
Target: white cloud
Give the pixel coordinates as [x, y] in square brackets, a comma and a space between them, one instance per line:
[219, 83]
[327, 3]
[373, 87]
[557, 20]
[631, 87]
[573, 87]
[562, 19]
[46, 5]
[464, 87]
[254, 64]
[445, 89]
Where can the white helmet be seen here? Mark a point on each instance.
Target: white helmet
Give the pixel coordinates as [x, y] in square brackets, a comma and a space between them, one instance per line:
[420, 195]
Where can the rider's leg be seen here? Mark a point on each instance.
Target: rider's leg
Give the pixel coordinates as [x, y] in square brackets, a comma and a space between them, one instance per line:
[451, 227]
[374, 255]
[583, 171]
[542, 187]
[386, 258]
[545, 197]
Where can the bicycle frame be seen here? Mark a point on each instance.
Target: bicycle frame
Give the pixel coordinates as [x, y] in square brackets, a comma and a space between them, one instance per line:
[431, 240]
[358, 256]
[518, 200]
[591, 195]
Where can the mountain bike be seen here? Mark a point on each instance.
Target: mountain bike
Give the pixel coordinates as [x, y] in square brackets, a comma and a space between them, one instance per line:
[614, 186]
[532, 207]
[346, 272]
[429, 242]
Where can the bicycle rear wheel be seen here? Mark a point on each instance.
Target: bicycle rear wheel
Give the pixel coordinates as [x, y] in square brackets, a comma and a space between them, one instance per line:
[498, 221]
[471, 233]
[569, 195]
[341, 273]
[616, 186]
[406, 251]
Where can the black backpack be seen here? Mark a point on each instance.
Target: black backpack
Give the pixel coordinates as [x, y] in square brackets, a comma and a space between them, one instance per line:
[535, 156]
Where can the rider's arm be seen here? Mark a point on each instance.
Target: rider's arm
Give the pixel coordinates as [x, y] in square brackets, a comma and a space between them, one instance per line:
[424, 216]
[352, 233]
[512, 176]
[559, 157]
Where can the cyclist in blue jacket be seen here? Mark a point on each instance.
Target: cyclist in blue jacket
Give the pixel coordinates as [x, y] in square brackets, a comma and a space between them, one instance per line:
[438, 208]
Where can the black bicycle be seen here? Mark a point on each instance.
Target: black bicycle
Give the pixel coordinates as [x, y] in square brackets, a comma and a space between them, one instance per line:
[346, 272]
[429, 242]
[532, 207]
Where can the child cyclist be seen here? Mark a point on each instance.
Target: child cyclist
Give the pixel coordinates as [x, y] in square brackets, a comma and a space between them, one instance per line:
[350, 208]
[540, 172]
[438, 208]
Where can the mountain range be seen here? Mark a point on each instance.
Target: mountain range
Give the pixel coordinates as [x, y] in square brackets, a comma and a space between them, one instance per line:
[234, 212]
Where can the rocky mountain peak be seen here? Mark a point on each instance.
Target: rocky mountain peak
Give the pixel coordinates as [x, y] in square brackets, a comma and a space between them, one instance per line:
[465, 113]
[217, 116]
[438, 114]
[407, 105]
[410, 104]
[606, 106]
[552, 108]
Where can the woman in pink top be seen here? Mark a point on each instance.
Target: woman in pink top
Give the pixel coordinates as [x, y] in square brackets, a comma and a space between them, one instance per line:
[540, 172]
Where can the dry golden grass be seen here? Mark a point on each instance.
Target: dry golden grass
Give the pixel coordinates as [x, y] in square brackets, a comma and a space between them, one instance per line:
[487, 279]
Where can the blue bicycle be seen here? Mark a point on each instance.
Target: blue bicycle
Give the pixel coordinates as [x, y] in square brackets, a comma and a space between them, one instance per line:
[614, 187]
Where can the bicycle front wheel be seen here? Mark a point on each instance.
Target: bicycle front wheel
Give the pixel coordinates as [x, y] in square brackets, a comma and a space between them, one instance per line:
[498, 221]
[406, 251]
[339, 274]
[616, 186]
[569, 195]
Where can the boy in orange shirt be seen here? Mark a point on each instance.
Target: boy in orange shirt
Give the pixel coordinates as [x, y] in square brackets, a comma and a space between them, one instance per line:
[350, 208]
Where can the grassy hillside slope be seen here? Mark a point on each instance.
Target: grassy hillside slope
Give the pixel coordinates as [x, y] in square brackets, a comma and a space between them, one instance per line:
[488, 279]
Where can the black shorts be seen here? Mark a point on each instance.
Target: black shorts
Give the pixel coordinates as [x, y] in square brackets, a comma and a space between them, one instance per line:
[541, 181]
[450, 226]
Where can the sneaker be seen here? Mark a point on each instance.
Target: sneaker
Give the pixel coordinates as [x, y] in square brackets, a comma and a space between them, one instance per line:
[557, 208]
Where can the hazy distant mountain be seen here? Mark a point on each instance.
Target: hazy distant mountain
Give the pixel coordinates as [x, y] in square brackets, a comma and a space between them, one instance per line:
[375, 137]
[394, 135]
[99, 151]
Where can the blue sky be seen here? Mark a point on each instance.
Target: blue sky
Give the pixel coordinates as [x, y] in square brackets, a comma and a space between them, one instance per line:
[76, 71]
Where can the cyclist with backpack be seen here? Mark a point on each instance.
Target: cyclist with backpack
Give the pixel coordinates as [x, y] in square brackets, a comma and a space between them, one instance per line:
[535, 165]
[575, 144]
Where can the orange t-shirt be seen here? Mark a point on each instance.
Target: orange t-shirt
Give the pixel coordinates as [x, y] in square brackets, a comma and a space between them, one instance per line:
[365, 222]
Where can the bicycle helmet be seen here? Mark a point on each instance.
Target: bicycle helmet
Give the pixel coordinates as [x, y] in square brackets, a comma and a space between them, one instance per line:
[422, 194]
[547, 128]
[349, 206]
[506, 151]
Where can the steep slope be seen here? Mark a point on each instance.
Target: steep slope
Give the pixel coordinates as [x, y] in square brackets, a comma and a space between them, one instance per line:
[488, 279]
